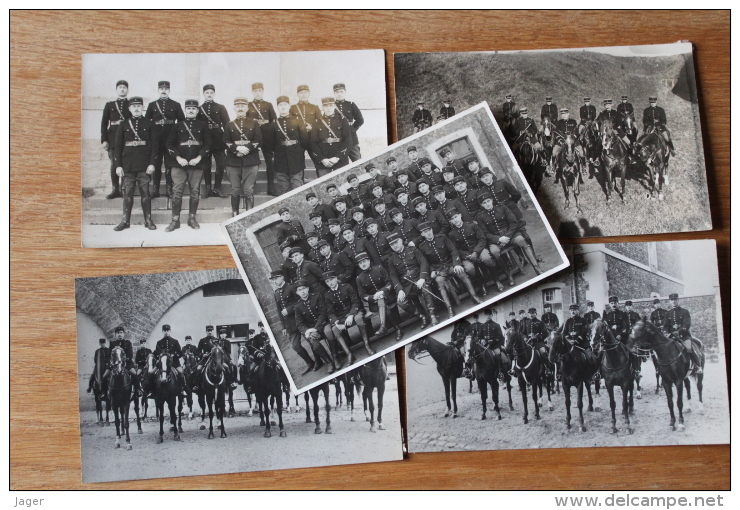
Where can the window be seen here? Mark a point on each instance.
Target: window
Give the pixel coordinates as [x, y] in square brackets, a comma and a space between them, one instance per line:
[224, 288]
[461, 148]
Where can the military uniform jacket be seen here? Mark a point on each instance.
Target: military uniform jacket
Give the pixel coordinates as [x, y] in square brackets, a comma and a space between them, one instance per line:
[678, 319]
[286, 298]
[407, 210]
[375, 279]
[217, 118]
[127, 346]
[142, 355]
[587, 113]
[106, 356]
[291, 231]
[205, 345]
[384, 221]
[616, 318]
[654, 116]
[290, 270]
[330, 138]
[549, 110]
[327, 211]
[113, 113]
[245, 132]
[440, 252]
[470, 238]
[460, 331]
[408, 231]
[449, 189]
[287, 138]
[510, 110]
[434, 176]
[432, 203]
[380, 241]
[533, 328]
[577, 327]
[470, 200]
[353, 197]
[490, 331]
[446, 112]
[314, 255]
[311, 313]
[631, 319]
[189, 348]
[440, 224]
[261, 111]
[451, 203]
[341, 264]
[658, 317]
[523, 325]
[550, 320]
[409, 187]
[475, 331]
[324, 233]
[415, 169]
[410, 264]
[359, 245]
[474, 181]
[566, 126]
[225, 345]
[527, 124]
[350, 112]
[422, 116]
[339, 243]
[614, 116]
[591, 317]
[170, 346]
[342, 302]
[498, 222]
[164, 114]
[311, 272]
[626, 109]
[504, 193]
[512, 324]
[142, 148]
[307, 113]
[190, 139]
[457, 166]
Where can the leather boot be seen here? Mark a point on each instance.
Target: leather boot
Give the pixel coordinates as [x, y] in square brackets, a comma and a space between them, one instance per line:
[176, 208]
[452, 292]
[502, 266]
[249, 203]
[395, 320]
[446, 298]
[526, 237]
[469, 285]
[192, 223]
[532, 260]
[343, 344]
[366, 340]
[430, 309]
[168, 181]
[209, 192]
[327, 359]
[146, 205]
[154, 183]
[382, 311]
[420, 311]
[216, 192]
[126, 221]
[235, 205]
[174, 224]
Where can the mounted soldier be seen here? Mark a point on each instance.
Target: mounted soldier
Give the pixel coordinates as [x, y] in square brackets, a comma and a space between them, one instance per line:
[587, 114]
[628, 116]
[510, 111]
[128, 348]
[563, 127]
[575, 329]
[189, 346]
[535, 333]
[422, 117]
[171, 347]
[654, 119]
[491, 336]
[616, 319]
[446, 111]
[511, 322]
[549, 319]
[591, 315]
[678, 324]
[631, 316]
[549, 109]
[102, 353]
[229, 367]
[659, 315]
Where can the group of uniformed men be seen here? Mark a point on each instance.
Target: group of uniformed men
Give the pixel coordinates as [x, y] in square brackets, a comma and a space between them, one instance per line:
[187, 142]
[142, 373]
[674, 323]
[422, 118]
[385, 242]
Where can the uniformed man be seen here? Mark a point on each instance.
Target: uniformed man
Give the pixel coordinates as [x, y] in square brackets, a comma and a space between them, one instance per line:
[189, 145]
[471, 241]
[436, 218]
[626, 108]
[171, 347]
[536, 332]
[114, 113]
[467, 197]
[288, 267]
[366, 188]
[576, 327]
[615, 118]
[344, 214]
[422, 117]
[430, 172]
[331, 139]
[631, 317]
[164, 113]
[510, 110]
[491, 337]
[549, 319]
[591, 315]
[460, 331]
[473, 177]
[523, 318]
[350, 112]
[403, 181]
[415, 168]
[452, 162]
[217, 117]
[448, 176]
[379, 193]
[678, 323]
[653, 118]
[290, 230]
[616, 319]
[229, 366]
[142, 356]
[409, 271]
[104, 354]
[286, 299]
[334, 193]
[475, 325]
[587, 114]
[376, 292]
[527, 129]
[311, 319]
[242, 137]
[287, 139]
[335, 228]
[358, 218]
[659, 315]
[337, 262]
[320, 227]
[445, 204]
[353, 191]
[312, 239]
[308, 113]
[263, 114]
[344, 310]
[326, 211]
[511, 322]
[549, 109]
[424, 191]
[403, 203]
[391, 165]
[566, 126]
[378, 239]
[307, 270]
[444, 263]
[206, 343]
[189, 346]
[446, 111]
[121, 341]
[358, 244]
[261, 339]
[135, 153]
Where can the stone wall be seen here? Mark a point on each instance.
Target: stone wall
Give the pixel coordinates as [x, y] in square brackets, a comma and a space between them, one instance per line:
[635, 251]
[628, 280]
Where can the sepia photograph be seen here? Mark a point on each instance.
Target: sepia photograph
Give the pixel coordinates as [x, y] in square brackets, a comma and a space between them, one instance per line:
[623, 348]
[175, 143]
[370, 257]
[178, 377]
[609, 138]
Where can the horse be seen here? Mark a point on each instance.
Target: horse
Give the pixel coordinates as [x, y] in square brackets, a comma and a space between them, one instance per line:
[569, 170]
[98, 389]
[530, 373]
[267, 383]
[337, 383]
[192, 377]
[577, 368]
[547, 138]
[373, 375]
[487, 371]
[166, 390]
[674, 365]
[530, 161]
[449, 366]
[244, 366]
[121, 392]
[215, 387]
[314, 392]
[614, 159]
[592, 146]
[654, 153]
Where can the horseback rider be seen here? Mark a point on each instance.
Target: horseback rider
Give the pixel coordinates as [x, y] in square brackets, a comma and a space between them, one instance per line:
[141, 359]
[229, 366]
[591, 315]
[522, 319]
[189, 347]
[678, 324]
[631, 316]
[491, 337]
[460, 331]
[205, 345]
[510, 109]
[446, 111]
[617, 121]
[128, 349]
[171, 346]
[105, 359]
[549, 319]
[615, 319]
[422, 117]
[534, 332]
[653, 118]
[626, 108]
[587, 114]
[575, 329]
[511, 322]
[526, 128]
[549, 109]
[566, 126]
[659, 315]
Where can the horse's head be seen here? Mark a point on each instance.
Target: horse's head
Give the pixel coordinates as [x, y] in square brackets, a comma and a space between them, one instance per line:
[513, 339]
[546, 125]
[117, 359]
[271, 359]
[598, 332]
[242, 356]
[644, 334]
[629, 120]
[190, 361]
[417, 347]
[470, 345]
[558, 345]
[217, 359]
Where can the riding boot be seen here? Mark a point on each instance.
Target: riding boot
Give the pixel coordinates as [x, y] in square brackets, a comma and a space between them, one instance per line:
[328, 359]
[526, 237]
[343, 344]
[469, 285]
[670, 146]
[502, 267]
[382, 311]
[394, 318]
[695, 359]
[235, 205]
[156, 178]
[307, 359]
[146, 205]
[428, 305]
[532, 260]
[216, 191]
[176, 208]
[452, 292]
[128, 202]
[446, 299]
[249, 203]
[168, 181]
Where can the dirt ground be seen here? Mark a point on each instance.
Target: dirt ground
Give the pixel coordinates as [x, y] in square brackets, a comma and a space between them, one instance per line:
[245, 448]
[430, 431]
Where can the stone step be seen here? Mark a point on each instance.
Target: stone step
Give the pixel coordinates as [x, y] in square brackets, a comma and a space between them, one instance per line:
[100, 203]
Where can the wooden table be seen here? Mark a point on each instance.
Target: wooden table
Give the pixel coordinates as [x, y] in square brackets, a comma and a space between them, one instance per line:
[46, 253]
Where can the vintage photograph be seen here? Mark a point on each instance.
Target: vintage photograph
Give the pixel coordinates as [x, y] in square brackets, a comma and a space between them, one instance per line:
[178, 377]
[174, 144]
[609, 139]
[368, 258]
[623, 348]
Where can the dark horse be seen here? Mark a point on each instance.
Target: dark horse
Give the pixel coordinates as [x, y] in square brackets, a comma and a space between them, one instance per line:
[215, 388]
[166, 390]
[530, 161]
[528, 367]
[674, 365]
[592, 147]
[268, 383]
[614, 159]
[190, 373]
[373, 375]
[577, 368]
[487, 370]
[244, 366]
[449, 365]
[98, 389]
[314, 392]
[654, 154]
[569, 170]
[121, 392]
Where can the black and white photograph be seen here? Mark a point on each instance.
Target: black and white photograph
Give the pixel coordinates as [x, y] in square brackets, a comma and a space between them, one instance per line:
[178, 377]
[623, 348]
[368, 258]
[175, 143]
[608, 138]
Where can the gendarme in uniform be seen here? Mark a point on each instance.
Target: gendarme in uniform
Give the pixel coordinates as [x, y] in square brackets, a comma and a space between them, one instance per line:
[114, 112]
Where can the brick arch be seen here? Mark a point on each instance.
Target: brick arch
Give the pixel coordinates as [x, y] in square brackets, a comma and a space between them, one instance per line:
[98, 309]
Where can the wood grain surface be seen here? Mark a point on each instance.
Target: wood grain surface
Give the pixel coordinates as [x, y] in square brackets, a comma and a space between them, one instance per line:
[46, 253]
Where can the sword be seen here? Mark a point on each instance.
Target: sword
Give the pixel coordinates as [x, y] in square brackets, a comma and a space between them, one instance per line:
[426, 290]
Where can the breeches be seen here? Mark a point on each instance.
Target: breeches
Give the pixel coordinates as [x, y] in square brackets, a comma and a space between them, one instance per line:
[469, 266]
[131, 180]
[358, 320]
[285, 182]
[517, 240]
[242, 180]
[181, 176]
